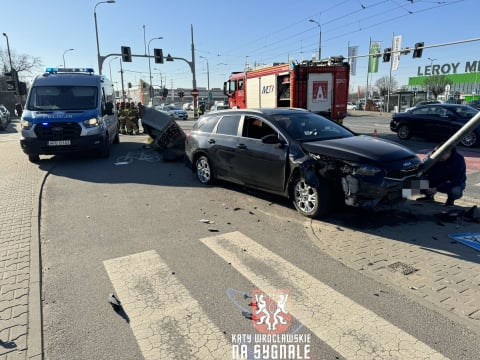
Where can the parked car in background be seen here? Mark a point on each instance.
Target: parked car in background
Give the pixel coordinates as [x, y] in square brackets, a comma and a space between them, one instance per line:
[174, 110]
[6, 113]
[301, 155]
[435, 121]
[218, 107]
[187, 106]
[475, 104]
[351, 106]
[4, 118]
[423, 102]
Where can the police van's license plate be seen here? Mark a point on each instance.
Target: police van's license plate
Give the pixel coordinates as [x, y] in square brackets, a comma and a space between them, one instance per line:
[59, 143]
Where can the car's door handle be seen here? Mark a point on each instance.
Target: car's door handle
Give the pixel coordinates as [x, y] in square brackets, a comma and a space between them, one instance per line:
[211, 141]
[241, 146]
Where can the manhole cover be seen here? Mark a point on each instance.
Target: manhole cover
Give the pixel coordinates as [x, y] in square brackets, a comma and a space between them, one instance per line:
[403, 268]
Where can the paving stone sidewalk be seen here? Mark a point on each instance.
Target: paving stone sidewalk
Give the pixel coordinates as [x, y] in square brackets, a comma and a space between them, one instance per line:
[414, 255]
[20, 311]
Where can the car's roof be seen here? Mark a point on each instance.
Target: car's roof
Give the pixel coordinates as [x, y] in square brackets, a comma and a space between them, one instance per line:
[444, 105]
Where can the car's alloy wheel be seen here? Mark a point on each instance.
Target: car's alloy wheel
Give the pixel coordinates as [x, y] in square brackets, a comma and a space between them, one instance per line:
[470, 140]
[403, 132]
[203, 169]
[309, 200]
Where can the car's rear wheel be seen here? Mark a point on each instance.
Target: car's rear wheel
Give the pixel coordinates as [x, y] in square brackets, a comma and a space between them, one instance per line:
[403, 132]
[204, 170]
[310, 201]
[470, 140]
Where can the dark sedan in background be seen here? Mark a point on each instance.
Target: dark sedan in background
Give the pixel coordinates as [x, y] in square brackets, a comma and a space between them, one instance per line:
[436, 122]
[301, 155]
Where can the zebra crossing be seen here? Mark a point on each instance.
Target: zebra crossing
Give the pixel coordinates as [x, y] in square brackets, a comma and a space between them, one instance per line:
[168, 322]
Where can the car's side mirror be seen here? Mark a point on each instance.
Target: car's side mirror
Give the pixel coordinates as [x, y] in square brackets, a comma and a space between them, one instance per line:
[109, 108]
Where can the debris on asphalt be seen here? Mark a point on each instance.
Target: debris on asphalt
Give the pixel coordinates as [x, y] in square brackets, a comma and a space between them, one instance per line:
[206, 221]
[116, 304]
[402, 268]
[213, 230]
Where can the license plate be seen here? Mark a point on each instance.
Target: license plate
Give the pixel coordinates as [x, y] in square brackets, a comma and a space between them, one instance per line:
[59, 143]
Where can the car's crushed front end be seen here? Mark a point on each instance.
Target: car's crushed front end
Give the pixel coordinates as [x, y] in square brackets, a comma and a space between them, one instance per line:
[369, 173]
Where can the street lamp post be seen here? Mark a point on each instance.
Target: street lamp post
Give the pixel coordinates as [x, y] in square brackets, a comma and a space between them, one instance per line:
[64, 56]
[431, 69]
[208, 77]
[9, 54]
[319, 38]
[110, 66]
[99, 58]
[150, 68]
[14, 77]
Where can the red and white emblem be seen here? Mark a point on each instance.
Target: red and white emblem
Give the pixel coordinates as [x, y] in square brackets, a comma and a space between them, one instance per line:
[269, 312]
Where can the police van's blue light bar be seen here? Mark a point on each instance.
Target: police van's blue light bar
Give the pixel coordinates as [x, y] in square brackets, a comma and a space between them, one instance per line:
[52, 70]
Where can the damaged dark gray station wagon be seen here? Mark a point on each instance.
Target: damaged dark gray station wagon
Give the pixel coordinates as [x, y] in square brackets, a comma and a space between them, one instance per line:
[301, 155]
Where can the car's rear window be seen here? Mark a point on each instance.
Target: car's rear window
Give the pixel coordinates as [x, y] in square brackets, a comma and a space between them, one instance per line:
[206, 124]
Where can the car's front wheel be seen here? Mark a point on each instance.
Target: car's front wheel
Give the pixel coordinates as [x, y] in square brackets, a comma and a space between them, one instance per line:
[204, 170]
[470, 140]
[403, 132]
[310, 201]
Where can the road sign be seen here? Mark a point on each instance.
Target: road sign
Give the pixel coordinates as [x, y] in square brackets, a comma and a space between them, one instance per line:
[195, 92]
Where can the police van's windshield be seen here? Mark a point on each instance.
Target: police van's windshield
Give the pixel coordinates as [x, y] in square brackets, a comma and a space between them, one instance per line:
[63, 98]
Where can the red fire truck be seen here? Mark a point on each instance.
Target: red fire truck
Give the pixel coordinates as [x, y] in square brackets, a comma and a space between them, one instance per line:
[321, 87]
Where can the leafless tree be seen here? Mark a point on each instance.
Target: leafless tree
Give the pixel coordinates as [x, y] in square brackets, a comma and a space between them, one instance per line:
[384, 85]
[24, 64]
[435, 84]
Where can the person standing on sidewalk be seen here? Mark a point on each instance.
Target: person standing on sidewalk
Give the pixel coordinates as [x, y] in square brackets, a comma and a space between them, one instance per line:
[447, 175]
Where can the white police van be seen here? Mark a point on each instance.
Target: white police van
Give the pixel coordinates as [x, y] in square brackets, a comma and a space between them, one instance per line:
[69, 110]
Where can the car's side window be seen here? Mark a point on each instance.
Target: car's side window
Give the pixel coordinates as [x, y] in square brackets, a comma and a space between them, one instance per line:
[228, 125]
[255, 128]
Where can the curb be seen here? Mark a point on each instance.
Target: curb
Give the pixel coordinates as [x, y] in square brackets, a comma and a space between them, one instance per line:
[35, 320]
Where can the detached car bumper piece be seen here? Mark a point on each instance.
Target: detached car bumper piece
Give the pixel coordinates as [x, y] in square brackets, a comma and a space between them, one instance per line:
[166, 134]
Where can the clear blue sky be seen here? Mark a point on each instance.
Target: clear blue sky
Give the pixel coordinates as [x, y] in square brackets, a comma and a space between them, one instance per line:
[231, 33]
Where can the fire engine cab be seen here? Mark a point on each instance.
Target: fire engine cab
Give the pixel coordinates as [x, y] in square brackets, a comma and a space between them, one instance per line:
[318, 86]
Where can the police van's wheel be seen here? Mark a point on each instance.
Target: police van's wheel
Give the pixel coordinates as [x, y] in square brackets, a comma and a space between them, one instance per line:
[116, 140]
[105, 152]
[34, 158]
[310, 201]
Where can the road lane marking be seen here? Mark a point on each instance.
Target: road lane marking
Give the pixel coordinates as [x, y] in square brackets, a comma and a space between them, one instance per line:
[347, 327]
[166, 320]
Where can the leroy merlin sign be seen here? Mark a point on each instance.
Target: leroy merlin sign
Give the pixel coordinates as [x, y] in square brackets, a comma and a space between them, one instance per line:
[449, 68]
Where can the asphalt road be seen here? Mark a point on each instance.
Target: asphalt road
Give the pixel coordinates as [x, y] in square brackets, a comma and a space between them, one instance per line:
[184, 260]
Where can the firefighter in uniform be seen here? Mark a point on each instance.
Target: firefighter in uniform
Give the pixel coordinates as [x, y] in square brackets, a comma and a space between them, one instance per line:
[122, 118]
[132, 116]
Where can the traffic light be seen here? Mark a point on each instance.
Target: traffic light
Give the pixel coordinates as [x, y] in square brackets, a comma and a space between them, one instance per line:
[129, 85]
[12, 80]
[158, 54]
[387, 53]
[181, 94]
[126, 54]
[165, 92]
[22, 88]
[417, 52]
